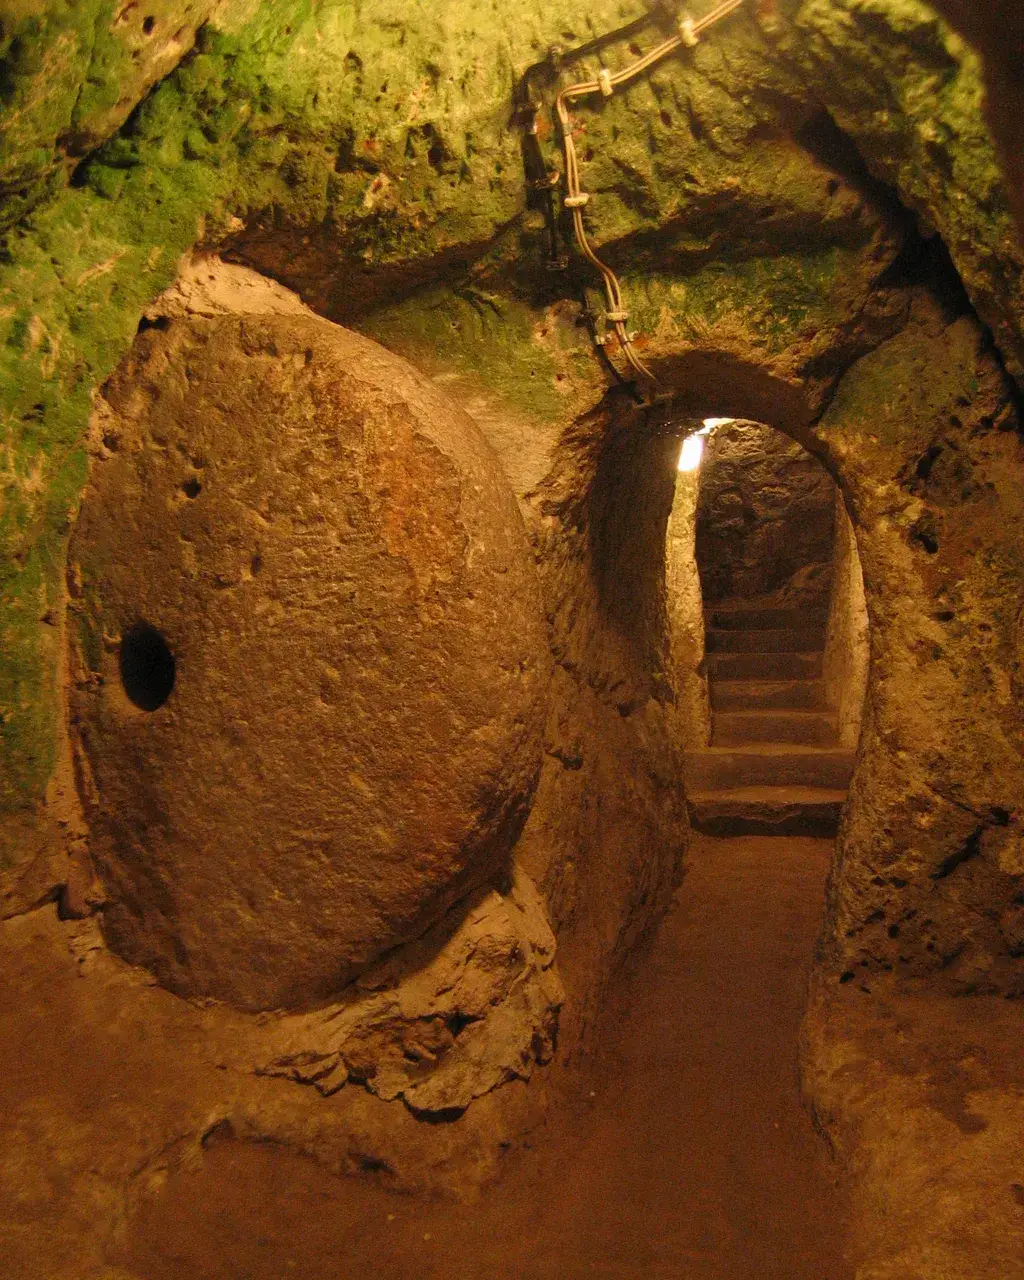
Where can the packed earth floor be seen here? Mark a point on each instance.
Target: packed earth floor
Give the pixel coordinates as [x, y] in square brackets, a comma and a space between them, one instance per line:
[686, 1153]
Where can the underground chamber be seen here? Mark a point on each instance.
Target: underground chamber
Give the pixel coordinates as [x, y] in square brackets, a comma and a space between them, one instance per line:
[510, 735]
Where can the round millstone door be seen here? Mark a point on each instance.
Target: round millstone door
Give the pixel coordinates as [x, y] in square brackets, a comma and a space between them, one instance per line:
[308, 657]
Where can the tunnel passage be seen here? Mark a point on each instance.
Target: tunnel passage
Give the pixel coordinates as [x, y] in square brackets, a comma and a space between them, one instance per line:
[769, 632]
[310, 664]
[921, 437]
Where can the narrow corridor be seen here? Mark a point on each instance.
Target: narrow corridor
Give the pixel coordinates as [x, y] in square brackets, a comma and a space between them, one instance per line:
[689, 1155]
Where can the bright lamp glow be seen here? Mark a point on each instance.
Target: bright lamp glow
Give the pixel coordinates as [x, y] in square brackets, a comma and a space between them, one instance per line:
[693, 446]
[690, 454]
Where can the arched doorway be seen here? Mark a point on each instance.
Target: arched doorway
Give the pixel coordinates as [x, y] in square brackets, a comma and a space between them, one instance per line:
[759, 530]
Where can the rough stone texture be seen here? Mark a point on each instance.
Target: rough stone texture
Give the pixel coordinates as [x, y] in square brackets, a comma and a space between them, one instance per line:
[847, 645]
[997, 30]
[908, 91]
[608, 828]
[924, 435]
[72, 73]
[408, 169]
[624, 1180]
[328, 549]
[276, 118]
[923, 1100]
[686, 614]
[761, 262]
[137, 1081]
[764, 517]
[921, 437]
[605, 835]
[469, 1007]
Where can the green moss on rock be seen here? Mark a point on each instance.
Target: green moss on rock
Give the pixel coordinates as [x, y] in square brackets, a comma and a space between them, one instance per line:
[908, 90]
[342, 148]
[71, 71]
[901, 391]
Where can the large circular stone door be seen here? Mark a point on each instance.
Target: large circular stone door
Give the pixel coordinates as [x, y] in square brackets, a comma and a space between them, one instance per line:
[308, 657]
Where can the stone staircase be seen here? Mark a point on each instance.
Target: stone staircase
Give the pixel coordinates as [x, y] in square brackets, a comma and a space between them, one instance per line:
[773, 767]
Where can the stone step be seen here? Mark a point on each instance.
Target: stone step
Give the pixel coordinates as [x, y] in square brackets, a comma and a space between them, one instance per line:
[733, 728]
[764, 666]
[747, 617]
[754, 695]
[768, 765]
[790, 640]
[769, 811]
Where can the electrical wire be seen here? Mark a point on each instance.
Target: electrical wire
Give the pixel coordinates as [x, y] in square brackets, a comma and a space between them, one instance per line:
[575, 199]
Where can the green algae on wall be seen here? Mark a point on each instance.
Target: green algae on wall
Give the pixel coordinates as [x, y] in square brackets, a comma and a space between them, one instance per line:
[776, 298]
[76, 278]
[908, 90]
[486, 334]
[901, 392]
[381, 135]
[298, 111]
[71, 71]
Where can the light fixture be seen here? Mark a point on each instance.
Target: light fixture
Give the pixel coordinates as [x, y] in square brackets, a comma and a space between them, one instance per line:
[693, 446]
[690, 454]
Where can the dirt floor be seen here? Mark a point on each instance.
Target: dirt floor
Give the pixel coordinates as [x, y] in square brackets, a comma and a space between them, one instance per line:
[686, 1152]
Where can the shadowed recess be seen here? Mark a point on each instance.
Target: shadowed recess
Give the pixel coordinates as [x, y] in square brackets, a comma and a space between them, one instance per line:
[148, 668]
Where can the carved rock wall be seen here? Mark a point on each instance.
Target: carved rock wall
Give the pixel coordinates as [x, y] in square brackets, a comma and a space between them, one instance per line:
[847, 645]
[750, 194]
[357, 187]
[924, 436]
[686, 614]
[609, 828]
[764, 517]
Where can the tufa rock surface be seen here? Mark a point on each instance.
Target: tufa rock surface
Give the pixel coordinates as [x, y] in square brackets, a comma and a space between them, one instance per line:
[923, 434]
[847, 655]
[464, 1010]
[764, 516]
[922, 1098]
[309, 670]
[140, 1083]
[685, 606]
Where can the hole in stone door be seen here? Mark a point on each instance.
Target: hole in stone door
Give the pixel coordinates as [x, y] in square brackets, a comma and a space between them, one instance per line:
[147, 667]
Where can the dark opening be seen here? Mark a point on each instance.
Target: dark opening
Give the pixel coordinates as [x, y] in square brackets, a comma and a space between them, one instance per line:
[154, 322]
[147, 667]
